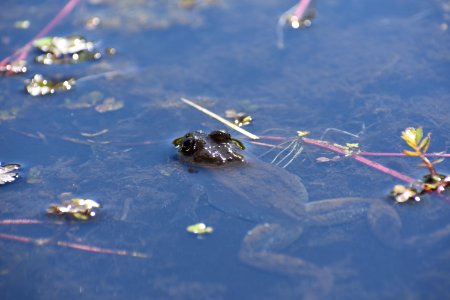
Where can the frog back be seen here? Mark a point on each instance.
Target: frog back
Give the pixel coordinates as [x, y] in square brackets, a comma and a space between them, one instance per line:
[256, 191]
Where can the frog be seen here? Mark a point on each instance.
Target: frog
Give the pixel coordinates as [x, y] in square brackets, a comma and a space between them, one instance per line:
[277, 202]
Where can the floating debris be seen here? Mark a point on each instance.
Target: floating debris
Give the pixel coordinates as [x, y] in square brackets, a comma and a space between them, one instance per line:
[436, 182]
[7, 173]
[65, 50]
[81, 209]
[323, 159]
[92, 23]
[298, 16]
[51, 59]
[22, 24]
[10, 114]
[199, 229]
[402, 194]
[63, 45]
[239, 118]
[302, 133]
[40, 86]
[15, 67]
[109, 104]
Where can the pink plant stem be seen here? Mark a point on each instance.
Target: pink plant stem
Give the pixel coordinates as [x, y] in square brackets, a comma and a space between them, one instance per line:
[401, 154]
[19, 222]
[21, 239]
[301, 8]
[22, 53]
[361, 159]
[95, 249]
[81, 247]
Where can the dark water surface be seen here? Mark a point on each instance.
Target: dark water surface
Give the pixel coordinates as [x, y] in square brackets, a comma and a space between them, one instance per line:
[369, 67]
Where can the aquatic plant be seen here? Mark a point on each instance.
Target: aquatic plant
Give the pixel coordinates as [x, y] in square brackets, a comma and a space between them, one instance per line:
[8, 173]
[431, 182]
[420, 144]
[16, 63]
[298, 16]
[292, 148]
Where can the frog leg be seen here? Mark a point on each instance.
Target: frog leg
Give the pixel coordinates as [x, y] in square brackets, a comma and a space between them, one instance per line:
[386, 225]
[260, 246]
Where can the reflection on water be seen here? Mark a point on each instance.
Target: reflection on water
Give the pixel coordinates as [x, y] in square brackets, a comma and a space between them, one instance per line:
[367, 67]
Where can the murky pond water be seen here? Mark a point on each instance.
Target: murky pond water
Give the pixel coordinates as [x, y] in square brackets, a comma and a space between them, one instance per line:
[368, 67]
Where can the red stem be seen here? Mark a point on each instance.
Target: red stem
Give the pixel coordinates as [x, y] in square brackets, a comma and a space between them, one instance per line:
[401, 154]
[22, 53]
[301, 8]
[81, 247]
[361, 159]
[19, 222]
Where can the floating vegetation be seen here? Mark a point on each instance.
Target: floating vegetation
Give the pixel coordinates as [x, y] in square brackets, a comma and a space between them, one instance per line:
[298, 16]
[63, 45]
[22, 24]
[432, 182]
[109, 104]
[10, 114]
[239, 118]
[403, 194]
[40, 86]
[199, 229]
[8, 174]
[14, 67]
[78, 208]
[65, 50]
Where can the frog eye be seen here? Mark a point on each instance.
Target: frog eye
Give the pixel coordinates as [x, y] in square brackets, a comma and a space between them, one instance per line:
[220, 136]
[188, 146]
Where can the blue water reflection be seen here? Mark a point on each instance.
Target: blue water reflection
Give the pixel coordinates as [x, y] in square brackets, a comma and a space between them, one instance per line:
[371, 68]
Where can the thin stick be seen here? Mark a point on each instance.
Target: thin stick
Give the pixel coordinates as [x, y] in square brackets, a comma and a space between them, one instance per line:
[100, 250]
[80, 247]
[220, 119]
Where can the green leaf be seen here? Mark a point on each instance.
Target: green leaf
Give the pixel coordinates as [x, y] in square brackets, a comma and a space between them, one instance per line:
[419, 135]
[436, 161]
[409, 136]
[426, 142]
[411, 153]
[43, 42]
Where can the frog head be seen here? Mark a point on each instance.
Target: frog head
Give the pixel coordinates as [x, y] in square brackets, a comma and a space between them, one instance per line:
[215, 148]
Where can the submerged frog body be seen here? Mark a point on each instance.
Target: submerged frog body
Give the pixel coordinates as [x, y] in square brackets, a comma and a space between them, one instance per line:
[277, 201]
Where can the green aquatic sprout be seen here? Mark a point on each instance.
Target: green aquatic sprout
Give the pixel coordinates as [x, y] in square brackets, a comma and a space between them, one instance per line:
[8, 174]
[431, 182]
[199, 228]
[81, 209]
